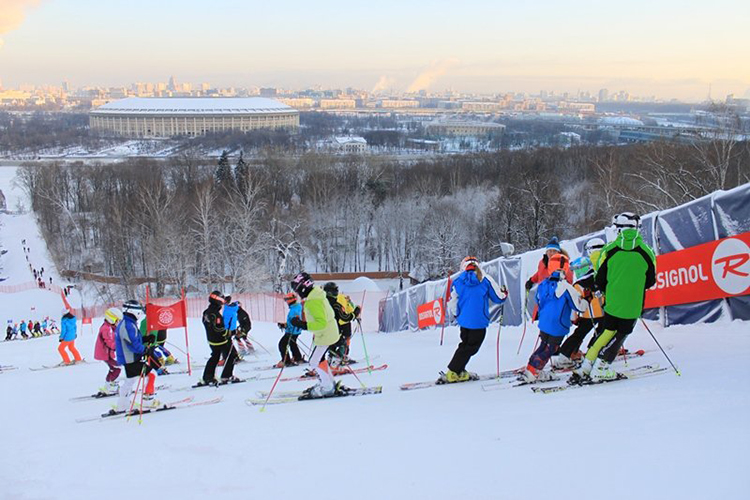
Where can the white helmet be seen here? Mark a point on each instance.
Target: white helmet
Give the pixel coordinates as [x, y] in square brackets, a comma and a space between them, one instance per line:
[593, 245]
[112, 315]
[626, 220]
[133, 307]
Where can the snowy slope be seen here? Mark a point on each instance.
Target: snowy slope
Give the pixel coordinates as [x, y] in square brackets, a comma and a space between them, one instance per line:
[658, 437]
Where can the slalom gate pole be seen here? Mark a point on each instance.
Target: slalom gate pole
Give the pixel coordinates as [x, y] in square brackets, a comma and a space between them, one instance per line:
[445, 308]
[660, 347]
[499, 327]
[525, 307]
[364, 345]
[187, 342]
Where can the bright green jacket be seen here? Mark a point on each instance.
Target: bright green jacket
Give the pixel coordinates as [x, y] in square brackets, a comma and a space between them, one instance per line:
[627, 267]
[321, 320]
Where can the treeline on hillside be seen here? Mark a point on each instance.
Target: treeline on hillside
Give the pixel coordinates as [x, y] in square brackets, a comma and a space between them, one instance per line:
[196, 224]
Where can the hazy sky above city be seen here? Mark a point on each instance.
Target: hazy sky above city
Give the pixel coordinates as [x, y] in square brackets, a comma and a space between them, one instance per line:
[665, 48]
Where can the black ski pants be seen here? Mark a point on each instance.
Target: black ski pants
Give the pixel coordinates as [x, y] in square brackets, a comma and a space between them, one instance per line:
[228, 352]
[574, 341]
[471, 341]
[289, 340]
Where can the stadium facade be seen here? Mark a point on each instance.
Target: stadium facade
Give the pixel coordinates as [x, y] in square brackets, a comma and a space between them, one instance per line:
[190, 116]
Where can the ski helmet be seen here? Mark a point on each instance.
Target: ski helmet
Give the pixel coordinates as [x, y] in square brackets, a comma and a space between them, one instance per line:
[469, 263]
[593, 245]
[134, 308]
[216, 298]
[228, 299]
[626, 220]
[331, 288]
[290, 298]
[112, 315]
[582, 268]
[302, 284]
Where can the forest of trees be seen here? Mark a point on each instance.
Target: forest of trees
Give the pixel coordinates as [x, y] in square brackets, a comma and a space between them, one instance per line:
[252, 223]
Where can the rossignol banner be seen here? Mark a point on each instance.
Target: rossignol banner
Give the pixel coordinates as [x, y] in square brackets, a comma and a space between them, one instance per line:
[713, 270]
[430, 313]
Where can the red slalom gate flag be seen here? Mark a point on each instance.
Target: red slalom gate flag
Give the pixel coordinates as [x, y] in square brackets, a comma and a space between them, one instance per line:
[86, 321]
[166, 317]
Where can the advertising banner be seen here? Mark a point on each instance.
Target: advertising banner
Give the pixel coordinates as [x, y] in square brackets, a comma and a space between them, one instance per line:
[430, 313]
[713, 270]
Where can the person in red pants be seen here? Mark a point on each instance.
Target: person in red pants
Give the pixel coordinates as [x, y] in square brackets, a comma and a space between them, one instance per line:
[67, 338]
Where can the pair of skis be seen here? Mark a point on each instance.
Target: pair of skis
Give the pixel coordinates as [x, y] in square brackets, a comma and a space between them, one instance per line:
[296, 396]
[174, 405]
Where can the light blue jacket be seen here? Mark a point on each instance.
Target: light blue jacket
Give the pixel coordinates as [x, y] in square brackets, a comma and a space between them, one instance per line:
[68, 328]
[295, 311]
[230, 316]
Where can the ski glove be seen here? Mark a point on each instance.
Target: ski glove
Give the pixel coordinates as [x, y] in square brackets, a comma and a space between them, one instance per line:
[299, 323]
[282, 326]
[357, 311]
[529, 285]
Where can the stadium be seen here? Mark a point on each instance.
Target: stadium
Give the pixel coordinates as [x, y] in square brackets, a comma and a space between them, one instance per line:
[190, 116]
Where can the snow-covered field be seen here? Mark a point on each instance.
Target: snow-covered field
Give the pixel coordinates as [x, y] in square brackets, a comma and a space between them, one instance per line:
[664, 437]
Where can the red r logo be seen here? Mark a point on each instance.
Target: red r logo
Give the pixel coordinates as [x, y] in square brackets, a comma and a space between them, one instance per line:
[732, 262]
[730, 266]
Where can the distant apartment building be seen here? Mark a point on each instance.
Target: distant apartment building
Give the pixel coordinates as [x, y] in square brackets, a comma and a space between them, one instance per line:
[464, 128]
[481, 106]
[578, 107]
[399, 103]
[338, 104]
[297, 102]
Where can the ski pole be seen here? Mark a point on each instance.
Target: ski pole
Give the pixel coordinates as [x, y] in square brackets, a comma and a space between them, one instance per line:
[364, 345]
[445, 308]
[499, 327]
[135, 394]
[263, 408]
[261, 345]
[355, 375]
[525, 307]
[660, 347]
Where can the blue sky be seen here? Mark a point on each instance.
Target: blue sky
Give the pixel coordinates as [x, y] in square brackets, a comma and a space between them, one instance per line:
[666, 48]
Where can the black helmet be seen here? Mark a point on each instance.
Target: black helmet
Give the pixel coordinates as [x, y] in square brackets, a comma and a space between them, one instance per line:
[216, 298]
[302, 284]
[331, 288]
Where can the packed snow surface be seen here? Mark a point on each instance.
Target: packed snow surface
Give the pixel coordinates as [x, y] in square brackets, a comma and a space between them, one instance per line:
[658, 437]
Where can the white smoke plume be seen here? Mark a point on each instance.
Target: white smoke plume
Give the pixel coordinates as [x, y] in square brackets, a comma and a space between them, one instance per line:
[384, 83]
[12, 14]
[425, 79]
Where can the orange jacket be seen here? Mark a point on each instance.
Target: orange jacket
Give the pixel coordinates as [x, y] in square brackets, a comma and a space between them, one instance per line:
[548, 265]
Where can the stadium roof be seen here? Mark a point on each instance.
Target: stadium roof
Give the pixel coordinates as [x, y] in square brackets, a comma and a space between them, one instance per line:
[193, 105]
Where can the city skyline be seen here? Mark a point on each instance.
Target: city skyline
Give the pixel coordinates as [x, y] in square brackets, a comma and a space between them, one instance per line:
[668, 50]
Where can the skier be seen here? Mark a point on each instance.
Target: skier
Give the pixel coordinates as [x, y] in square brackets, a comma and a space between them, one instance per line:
[591, 317]
[37, 329]
[9, 332]
[321, 321]
[218, 341]
[22, 329]
[130, 352]
[288, 341]
[553, 255]
[230, 311]
[627, 268]
[104, 349]
[593, 249]
[243, 320]
[345, 313]
[68, 337]
[556, 299]
[469, 301]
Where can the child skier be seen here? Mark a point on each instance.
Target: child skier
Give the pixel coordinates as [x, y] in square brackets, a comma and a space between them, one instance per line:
[345, 313]
[130, 353]
[288, 341]
[556, 299]
[219, 342]
[469, 302]
[243, 319]
[554, 258]
[321, 321]
[104, 349]
[68, 337]
[590, 317]
[627, 268]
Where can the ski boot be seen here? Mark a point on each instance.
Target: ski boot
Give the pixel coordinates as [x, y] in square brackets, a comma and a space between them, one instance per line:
[202, 383]
[603, 372]
[561, 362]
[230, 380]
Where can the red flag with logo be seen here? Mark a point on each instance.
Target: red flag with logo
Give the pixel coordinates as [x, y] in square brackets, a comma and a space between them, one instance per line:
[159, 317]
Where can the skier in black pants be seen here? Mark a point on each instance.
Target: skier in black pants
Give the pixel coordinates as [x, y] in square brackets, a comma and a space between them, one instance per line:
[218, 341]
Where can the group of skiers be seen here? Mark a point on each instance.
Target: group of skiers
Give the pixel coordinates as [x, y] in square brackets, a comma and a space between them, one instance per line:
[38, 273]
[30, 329]
[604, 289]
